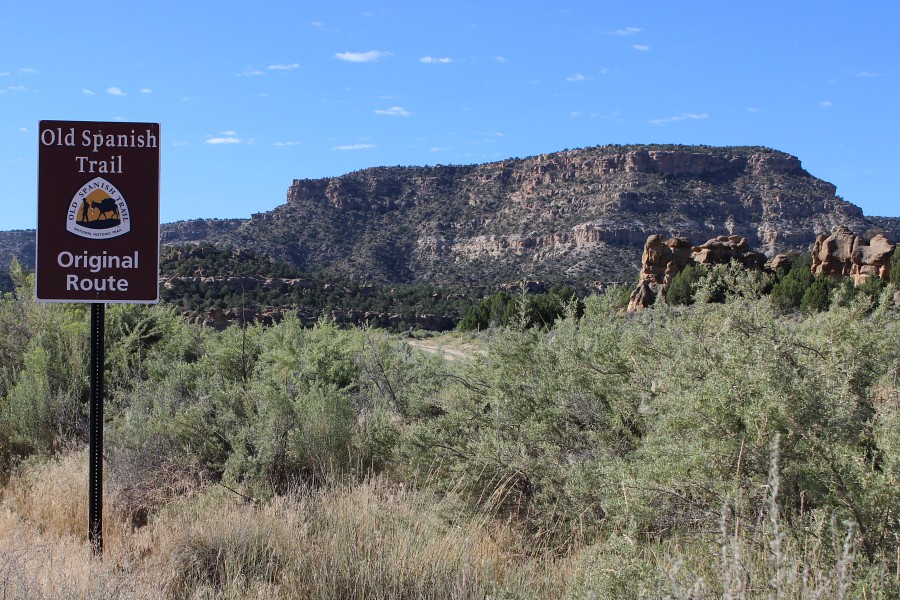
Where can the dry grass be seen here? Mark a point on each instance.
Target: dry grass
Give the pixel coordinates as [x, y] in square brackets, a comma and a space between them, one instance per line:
[44, 552]
[376, 540]
[369, 540]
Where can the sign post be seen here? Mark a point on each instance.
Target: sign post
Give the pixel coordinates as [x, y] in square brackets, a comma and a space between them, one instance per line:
[97, 241]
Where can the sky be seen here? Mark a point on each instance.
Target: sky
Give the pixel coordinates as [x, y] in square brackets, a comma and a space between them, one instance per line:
[250, 96]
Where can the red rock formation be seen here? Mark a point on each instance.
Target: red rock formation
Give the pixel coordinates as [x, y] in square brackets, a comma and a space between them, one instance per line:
[725, 248]
[663, 259]
[845, 254]
[841, 254]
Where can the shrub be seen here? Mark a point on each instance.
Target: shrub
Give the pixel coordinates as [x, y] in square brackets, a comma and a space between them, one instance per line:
[817, 297]
[895, 266]
[787, 293]
[681, 289]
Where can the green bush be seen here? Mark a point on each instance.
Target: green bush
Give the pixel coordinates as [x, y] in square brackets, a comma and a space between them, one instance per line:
[895, 266]
[817, 297]
[787, 293]
[525, 309]
[603, 426]
[647, 422]
[681, 289]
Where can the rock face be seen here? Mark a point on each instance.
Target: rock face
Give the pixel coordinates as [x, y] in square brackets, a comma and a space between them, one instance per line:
[574, 216]
[845, 254]
[661, 260]
[725, 248]
[841, 254]
[664, 258]
[577, 216]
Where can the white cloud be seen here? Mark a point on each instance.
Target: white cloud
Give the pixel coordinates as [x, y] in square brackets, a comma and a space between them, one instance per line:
[114, 91]
[432, 60]
[23, 130]
[355, 147]
[250, 72]
[826, 104]
[576, 77]
[500, 59]
[438, 148]
[225, 137]
[575, 114]
[27, 71]
[362, 57]
[146, 91]
[394, 111]
[289, 67]
[223, 140]
[865, 74]
[680, 117]
[88, 92]
[4, 74]
[641, 47]
[625, 31]
[285, 144]
[17, 88]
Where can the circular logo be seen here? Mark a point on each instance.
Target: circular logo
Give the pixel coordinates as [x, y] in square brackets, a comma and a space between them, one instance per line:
[98, 211]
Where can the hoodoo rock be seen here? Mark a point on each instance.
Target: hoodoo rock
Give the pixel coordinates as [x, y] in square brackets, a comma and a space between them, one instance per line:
[841, 254]
[661, 260]
[664, 258]
[724, 249]
[845, 254]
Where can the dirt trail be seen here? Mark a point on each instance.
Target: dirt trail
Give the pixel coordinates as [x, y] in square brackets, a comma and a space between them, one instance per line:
[457, 350]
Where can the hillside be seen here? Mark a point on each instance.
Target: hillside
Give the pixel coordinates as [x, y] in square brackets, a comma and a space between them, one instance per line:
[572, 216]
[576, 215]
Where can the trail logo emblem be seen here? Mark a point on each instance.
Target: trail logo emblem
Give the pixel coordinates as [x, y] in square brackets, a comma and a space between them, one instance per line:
[98, 211]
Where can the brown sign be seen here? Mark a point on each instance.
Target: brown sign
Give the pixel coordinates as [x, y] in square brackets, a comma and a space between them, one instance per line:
[98, 212]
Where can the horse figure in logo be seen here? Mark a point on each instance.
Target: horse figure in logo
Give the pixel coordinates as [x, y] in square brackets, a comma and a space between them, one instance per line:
[106, 206]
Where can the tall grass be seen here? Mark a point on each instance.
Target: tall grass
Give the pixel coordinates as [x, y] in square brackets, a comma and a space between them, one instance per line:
[379, 539]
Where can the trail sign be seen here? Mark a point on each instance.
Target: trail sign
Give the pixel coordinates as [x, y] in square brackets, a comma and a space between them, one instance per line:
[98, 212]
[97, 242]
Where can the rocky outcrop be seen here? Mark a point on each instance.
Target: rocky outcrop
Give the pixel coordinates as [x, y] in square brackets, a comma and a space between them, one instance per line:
[841, 254]
[661, 260]
[726, 248]
[845, 254]
[573, 216]
[664, 258]
[579, 214]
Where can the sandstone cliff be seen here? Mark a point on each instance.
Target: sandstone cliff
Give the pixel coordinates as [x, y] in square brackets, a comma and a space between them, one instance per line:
[577, 216]
[574, 215]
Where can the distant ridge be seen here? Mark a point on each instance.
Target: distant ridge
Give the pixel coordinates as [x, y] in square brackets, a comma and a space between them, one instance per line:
[572, 216]
[575, 215]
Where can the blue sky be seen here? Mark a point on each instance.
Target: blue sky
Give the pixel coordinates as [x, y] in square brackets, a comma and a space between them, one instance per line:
[253, 95]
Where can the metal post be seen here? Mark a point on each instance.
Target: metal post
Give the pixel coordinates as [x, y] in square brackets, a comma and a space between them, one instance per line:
[95, 469]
